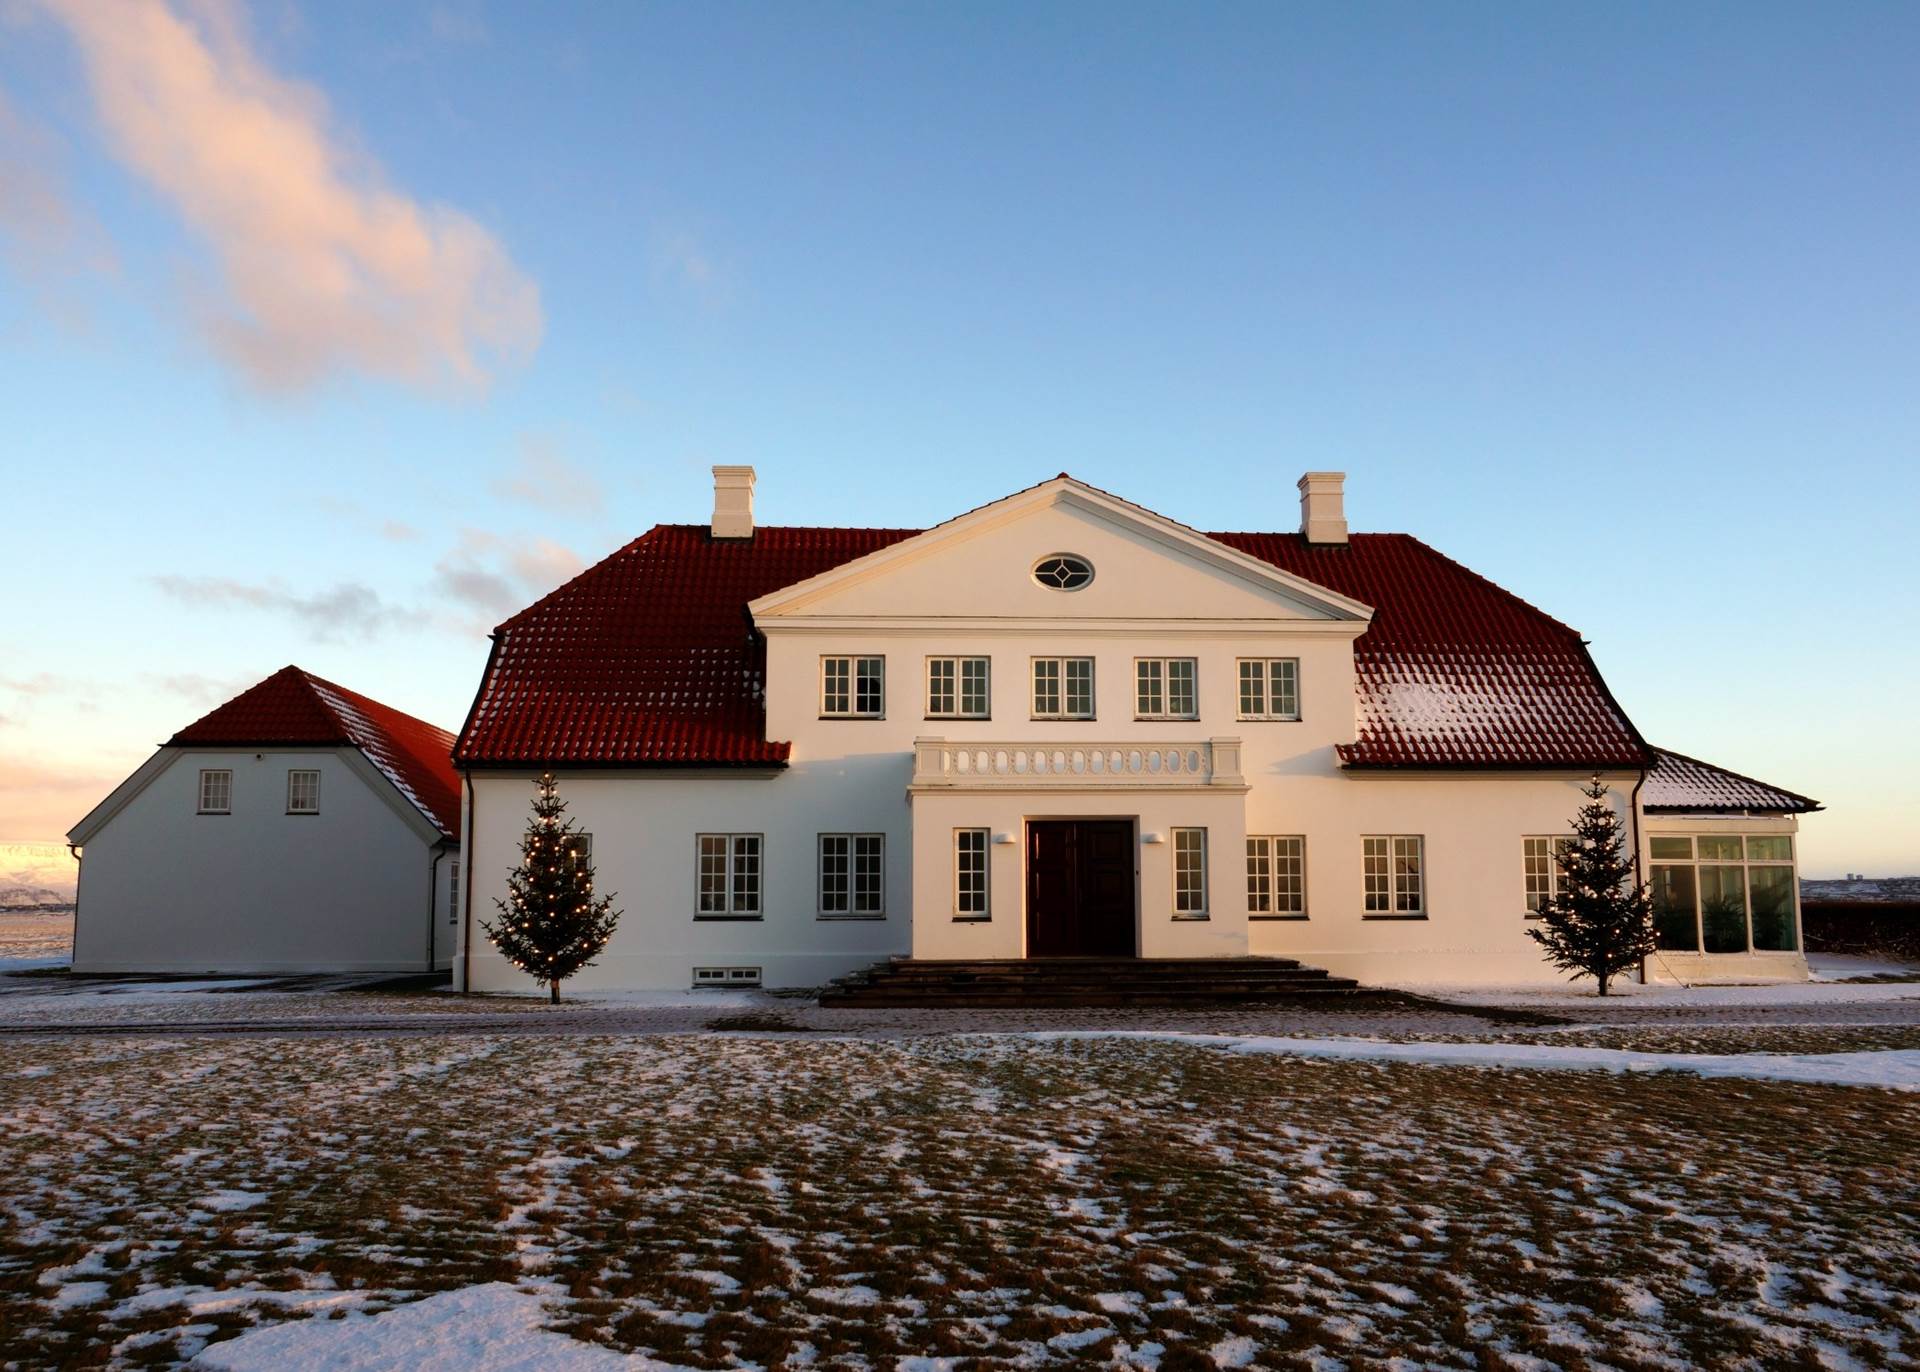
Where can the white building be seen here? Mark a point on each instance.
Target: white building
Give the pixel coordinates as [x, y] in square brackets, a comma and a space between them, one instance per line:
[299, 827]
[1056, 724]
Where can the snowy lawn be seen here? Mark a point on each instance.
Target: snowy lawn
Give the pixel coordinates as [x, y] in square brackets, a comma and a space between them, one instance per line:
[726, 1200]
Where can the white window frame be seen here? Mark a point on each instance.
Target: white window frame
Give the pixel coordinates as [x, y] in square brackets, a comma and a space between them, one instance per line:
[1745, 863]
[1536, 884]
[1263, 701]
[852, 857]
[1157, 673]
[294, 809]
[955, 689]
[1061, 687]
[962, 910]
[732, 871]
[453, 895]
[1389, 889]
[1266, 898]
[857, 671]
[1189, 898]
[207, 791]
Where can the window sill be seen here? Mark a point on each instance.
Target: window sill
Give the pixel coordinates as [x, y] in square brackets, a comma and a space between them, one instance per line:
[303, 814]
[213, 814]
[849, 919]
[1266, 719]
[1166, 719]
[1062, 719]
[825, 719]
[958, 719]
[728, 919]
[1276, 919]
[1392, 917]
[973, 919]
[1192, 919]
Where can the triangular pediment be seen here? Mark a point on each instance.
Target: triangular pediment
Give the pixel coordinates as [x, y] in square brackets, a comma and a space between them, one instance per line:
[979, 566]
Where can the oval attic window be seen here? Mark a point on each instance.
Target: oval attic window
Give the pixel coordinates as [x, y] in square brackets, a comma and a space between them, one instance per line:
[1063, 572]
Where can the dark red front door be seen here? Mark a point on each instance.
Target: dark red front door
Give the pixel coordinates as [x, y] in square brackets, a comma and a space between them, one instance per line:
[1080, 888]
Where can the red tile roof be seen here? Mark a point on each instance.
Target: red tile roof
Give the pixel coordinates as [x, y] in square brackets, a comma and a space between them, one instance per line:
[649, 658]
[1681, 784]
[295, 707]
[1454, 671]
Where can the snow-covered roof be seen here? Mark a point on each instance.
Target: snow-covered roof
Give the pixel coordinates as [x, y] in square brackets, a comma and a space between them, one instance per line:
[1682, 784]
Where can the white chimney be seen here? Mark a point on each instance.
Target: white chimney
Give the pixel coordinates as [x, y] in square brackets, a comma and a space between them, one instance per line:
[733, 502]
[1323, 507]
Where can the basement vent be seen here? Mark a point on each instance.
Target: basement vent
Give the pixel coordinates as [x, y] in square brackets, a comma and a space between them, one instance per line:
[726, 976]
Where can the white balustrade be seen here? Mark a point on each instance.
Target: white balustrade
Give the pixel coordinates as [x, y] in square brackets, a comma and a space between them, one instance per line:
[966, 763]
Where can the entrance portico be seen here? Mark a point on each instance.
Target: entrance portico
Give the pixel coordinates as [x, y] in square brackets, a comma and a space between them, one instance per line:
[1079, 843]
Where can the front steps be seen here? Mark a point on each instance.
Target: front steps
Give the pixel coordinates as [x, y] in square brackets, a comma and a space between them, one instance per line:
[1094, 982]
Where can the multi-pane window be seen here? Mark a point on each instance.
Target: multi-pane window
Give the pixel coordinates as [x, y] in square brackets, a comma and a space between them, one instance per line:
[453, 894]
[853, 875]
[1392, 868]
[1276, 875]
[1163, 688]
[216, 791]
[970, 873]
[1539, 856]
[729, 875]
[1724, 893]
[303, 791]
[957, 687]
[852, 687]
[1063, 688]
[1190, 872]
[1270, 688]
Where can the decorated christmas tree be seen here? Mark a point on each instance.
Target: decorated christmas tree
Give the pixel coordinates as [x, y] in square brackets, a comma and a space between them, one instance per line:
[551, 924]
[1599, 922]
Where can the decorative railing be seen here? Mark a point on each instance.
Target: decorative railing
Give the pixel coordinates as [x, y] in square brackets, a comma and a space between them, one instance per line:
[941, 762]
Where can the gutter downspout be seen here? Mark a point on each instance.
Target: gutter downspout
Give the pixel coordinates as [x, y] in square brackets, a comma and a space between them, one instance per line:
[434, 854]
[79, 861]
[1639, 872]
[466, 894]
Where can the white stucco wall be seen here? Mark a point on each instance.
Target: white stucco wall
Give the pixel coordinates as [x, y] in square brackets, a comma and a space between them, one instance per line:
[645, 829]
[164, 889]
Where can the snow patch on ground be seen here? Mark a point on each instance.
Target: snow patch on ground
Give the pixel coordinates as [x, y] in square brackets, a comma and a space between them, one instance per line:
[497, 1327]
[1571, 999]
[1896, 1069]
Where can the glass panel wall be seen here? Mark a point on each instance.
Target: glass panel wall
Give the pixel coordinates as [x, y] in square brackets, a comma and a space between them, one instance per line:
[1723, 893]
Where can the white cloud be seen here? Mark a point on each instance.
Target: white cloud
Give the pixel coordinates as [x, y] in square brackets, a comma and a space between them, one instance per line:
[322, 265]
[543, 476]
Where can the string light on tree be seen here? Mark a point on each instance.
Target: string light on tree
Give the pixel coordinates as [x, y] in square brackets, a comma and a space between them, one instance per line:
[551, 925]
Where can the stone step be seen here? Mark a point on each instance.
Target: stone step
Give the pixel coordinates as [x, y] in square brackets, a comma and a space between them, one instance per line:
[1091, 982]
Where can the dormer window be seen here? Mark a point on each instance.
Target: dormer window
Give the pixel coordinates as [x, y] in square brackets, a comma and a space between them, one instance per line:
[1063, 571]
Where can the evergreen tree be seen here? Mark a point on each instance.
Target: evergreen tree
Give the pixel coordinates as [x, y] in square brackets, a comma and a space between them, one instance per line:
[1599, 923]
[551, 925]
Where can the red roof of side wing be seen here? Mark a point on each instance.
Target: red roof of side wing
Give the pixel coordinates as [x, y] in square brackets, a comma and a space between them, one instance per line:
[649, 658]
[296, 708]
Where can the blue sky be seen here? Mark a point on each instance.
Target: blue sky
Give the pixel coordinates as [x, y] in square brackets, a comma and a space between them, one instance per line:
[1616, 304]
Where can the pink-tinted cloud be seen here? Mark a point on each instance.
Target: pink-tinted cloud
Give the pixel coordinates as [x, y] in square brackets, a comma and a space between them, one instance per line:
[321, 264]
[42, 230]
